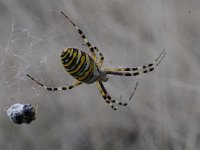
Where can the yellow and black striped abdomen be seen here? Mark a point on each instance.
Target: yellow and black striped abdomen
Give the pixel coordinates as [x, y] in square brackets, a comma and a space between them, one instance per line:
[80, 65]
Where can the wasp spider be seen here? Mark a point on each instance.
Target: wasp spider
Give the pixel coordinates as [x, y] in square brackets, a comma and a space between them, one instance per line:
[88, 69]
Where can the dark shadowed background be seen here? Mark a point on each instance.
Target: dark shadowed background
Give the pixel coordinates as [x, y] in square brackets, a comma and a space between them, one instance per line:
[164, 113]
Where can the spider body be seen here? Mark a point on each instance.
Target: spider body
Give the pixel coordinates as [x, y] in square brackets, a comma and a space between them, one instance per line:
[88, 69]
[82, 66]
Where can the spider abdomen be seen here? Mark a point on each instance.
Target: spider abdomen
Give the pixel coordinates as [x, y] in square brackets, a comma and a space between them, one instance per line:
[80, 65]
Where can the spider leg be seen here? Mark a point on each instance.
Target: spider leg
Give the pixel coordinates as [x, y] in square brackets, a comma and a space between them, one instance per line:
[108, 98]
[77, 83]
[101, 56]
[83, 36]
[133, 92]
[123, 71]
[103, 93]
[125, 103]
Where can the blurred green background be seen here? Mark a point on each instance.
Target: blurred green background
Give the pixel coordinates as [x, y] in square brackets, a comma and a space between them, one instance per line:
[164, 112]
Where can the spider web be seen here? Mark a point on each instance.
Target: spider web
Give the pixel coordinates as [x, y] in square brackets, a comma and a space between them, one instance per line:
[163, 113]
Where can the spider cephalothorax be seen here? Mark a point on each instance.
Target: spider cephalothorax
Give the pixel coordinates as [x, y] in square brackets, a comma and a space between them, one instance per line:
[88, 69]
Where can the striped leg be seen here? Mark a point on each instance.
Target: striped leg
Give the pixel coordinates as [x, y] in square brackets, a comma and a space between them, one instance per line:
[77, 83]
[104, 95]
[101, 56]
[138, 70]
[83, 36]
[108, 98]
[125, 103]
